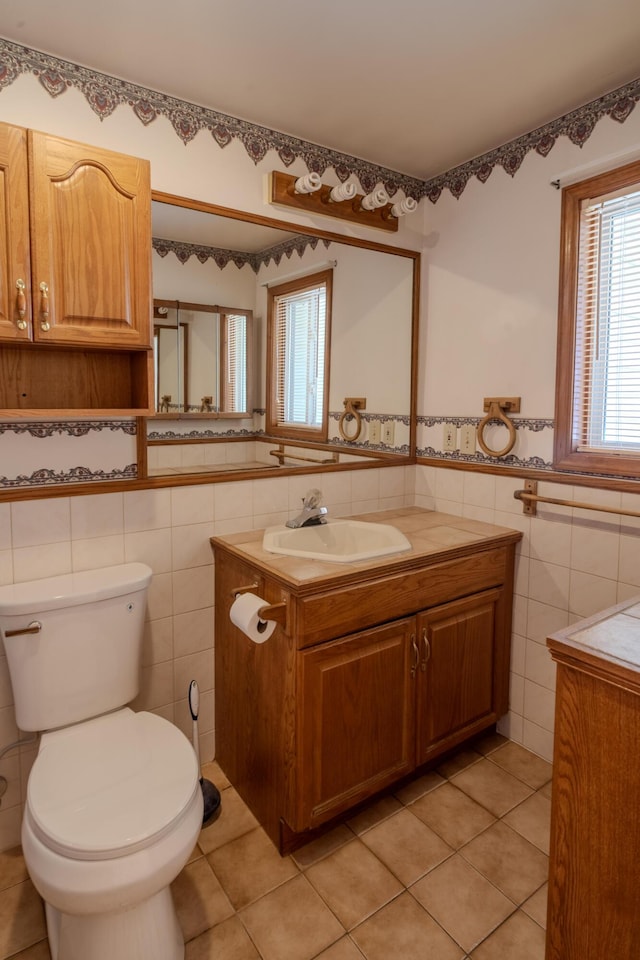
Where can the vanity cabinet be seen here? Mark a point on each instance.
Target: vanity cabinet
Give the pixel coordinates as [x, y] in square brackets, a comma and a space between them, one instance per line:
[374, 672]
[75, 278]
[594, 864]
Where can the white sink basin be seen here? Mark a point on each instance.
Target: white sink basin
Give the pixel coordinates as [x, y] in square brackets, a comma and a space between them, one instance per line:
[341, 541]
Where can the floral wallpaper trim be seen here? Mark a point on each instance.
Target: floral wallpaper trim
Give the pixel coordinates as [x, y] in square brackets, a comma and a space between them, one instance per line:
[46, 477]
[222, 257]
[578, 125]
[104, 93]
[519, 422]
[73, 428]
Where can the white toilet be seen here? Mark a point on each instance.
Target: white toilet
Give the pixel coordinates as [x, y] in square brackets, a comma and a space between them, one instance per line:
[114, 803]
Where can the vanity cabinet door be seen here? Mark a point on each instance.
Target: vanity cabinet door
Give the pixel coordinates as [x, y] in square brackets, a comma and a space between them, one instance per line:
[357, 699]
[15, 273]
[456, 689]
[90, 244]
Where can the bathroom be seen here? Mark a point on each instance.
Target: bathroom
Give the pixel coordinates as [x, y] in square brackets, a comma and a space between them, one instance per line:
[488, 302]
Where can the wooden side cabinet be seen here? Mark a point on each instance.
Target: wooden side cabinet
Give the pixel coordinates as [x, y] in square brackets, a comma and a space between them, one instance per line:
[594, 872]
[75, 278]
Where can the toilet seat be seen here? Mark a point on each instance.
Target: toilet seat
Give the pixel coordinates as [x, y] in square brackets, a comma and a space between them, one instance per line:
[110, 786]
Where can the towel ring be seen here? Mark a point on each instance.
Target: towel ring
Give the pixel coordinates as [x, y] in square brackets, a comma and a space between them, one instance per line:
[496, 407]
[351, 407]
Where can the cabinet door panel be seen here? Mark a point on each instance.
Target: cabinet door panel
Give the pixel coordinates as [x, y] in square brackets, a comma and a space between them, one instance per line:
[456, 676]
[14, 235]
[357, 719]
[91, 240]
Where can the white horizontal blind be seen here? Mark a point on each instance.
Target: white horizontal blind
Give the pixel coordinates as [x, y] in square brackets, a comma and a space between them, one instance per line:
[300, 355]
[235, 399]
[607, 373]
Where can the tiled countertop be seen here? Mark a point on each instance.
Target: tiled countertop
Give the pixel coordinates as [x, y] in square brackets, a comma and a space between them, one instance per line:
[433, 536]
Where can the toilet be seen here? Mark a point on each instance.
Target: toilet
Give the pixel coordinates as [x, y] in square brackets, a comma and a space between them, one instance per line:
[114, 804]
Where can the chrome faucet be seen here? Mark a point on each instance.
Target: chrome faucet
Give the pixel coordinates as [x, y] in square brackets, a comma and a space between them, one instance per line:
[312, 512]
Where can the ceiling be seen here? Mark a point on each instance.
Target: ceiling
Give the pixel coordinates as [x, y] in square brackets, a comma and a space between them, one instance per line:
[417, 86]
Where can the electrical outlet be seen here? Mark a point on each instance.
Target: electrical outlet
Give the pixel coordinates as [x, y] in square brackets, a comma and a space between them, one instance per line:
[374, 431]
[450, 437]
[467, 438]
[388, 432]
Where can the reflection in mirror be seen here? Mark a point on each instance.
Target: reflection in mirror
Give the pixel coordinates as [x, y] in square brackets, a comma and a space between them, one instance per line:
[204, 254]
[202, 359]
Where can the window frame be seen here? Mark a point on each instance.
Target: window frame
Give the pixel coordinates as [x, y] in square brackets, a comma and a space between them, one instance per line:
[566, 455]
[273, 426]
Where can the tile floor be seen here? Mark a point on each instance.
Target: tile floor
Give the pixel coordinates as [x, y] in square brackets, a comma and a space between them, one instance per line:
[452, 866]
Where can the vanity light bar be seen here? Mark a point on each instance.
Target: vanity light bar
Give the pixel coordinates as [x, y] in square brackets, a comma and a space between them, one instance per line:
[308, 193]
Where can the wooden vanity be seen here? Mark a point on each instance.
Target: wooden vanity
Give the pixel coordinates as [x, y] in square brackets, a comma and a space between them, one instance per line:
[594, 870]
[377, 668]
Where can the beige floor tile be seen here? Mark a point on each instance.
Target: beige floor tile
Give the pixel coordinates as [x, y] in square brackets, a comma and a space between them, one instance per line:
[536, 906]
[344, 949]
[492, 787]
[509, 861]
[546, 790]
[226, 941]
[418, 787]
[374, 813]
[22, 922]
[489, 742]
[519, 938]
[459, 761]
[322, 846]
[213, 771]
[12, 868]
[199, 898]
[523, 764]
[406, 845]
[249, 867]
[403, 929]
[452, 814]
[235, 819]
[38, 952]
[463, 902]
[291, 923]
[353, 883]
[532, 819]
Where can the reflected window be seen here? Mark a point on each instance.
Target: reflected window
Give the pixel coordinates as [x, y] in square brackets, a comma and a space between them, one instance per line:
[234, 362]
[298, 348]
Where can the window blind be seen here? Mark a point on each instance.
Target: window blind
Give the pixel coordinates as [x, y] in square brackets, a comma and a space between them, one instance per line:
[235, 363]
[606, 398]
[300, 324]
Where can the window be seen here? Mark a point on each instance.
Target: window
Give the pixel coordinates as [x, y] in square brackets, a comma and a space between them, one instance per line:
[298, 350]
[598, 377]
[234, 362]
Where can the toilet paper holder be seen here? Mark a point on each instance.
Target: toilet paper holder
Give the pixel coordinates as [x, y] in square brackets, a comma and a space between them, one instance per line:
[270, 611]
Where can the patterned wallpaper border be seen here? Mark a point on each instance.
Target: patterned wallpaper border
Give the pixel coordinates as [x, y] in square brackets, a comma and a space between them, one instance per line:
[73, 428]
[48, 478]
[104, 93]
[183, 251]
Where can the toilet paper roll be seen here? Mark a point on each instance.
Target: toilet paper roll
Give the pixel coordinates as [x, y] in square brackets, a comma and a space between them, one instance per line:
[244, 614]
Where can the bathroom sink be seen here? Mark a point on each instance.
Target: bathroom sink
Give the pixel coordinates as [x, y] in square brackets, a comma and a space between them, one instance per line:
[341, 541]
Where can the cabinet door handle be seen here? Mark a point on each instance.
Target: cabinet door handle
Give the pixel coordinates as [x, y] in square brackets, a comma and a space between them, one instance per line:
[44, 307]
[427, 650]
[416, 655]
[21, 304]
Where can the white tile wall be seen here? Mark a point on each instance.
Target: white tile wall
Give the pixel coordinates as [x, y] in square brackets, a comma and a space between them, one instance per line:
[169, 529]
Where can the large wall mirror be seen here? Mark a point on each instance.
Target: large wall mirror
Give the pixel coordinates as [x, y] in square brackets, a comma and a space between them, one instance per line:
[212, 271]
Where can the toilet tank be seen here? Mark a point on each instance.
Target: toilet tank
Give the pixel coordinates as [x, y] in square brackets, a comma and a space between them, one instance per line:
[81, 657]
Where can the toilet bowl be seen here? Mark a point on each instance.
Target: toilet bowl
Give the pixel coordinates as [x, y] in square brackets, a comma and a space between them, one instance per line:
[113, 811]
[114, 804]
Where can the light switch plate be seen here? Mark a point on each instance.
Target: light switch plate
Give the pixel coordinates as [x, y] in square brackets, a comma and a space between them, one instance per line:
[374, 431]
[388, 432]
[467, 438]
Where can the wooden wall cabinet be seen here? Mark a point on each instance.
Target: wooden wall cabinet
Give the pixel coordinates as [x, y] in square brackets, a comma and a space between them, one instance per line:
[409, 664]
[75, 278]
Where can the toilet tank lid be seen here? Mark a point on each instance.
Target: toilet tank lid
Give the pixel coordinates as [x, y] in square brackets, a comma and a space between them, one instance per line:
[71, 589]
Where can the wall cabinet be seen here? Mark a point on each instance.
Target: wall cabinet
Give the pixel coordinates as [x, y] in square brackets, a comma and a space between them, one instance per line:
[75, 278]
[324, 715]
